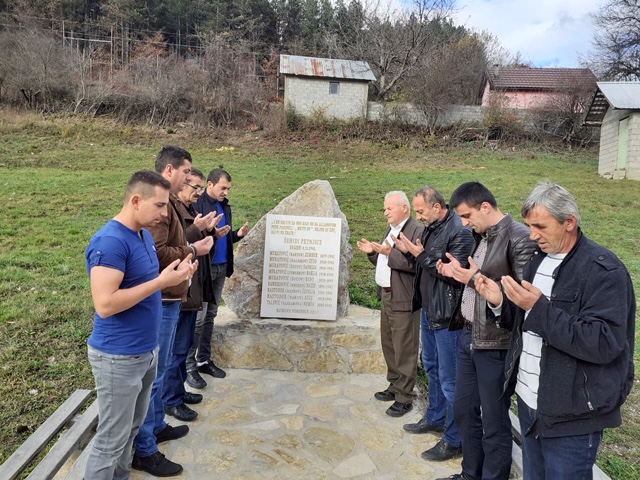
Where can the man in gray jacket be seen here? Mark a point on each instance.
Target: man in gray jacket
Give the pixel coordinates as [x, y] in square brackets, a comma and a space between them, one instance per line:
[399, 327]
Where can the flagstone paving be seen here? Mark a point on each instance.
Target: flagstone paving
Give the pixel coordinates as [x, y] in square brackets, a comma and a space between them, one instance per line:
[265, 424]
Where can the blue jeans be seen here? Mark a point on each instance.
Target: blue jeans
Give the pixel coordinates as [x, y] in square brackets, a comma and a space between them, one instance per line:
[481, 412]
[560, 458]
[200, 351]
[145, 441]
[173, 388]
[439, 361]
[123, 385]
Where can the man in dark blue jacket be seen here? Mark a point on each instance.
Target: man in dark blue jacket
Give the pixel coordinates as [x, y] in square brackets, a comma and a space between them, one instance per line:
[214, 199]
[571, 353]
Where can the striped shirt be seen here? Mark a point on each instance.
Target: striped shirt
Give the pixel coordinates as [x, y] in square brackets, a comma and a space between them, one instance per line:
[529, 369]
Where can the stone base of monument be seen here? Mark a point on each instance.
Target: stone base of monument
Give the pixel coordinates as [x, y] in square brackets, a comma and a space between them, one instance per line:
[349, 345]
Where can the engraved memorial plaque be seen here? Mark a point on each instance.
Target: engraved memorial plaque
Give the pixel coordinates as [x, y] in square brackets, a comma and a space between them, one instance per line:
[301, 267]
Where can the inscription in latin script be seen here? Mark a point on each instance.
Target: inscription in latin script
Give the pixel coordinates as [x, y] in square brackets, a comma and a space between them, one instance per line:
[301, 267]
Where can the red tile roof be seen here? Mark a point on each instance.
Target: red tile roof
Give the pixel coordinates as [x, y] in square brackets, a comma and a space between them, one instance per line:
[525, 78]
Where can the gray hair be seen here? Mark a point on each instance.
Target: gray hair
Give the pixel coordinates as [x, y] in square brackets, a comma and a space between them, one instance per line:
[555, 198]
[402, 197]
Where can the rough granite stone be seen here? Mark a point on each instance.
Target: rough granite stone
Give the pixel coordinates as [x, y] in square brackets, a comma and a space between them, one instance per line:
[242, 292]
[261, 355]
[371, 361]
[327, 360]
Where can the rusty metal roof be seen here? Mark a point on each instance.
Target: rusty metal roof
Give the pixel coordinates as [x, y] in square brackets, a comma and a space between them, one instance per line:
[619, 95]
[540, 79]
[325, 67]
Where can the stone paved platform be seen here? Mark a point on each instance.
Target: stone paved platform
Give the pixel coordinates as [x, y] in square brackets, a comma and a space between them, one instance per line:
[265, 424]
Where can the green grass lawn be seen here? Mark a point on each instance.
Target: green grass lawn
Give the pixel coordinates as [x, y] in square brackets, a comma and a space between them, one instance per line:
[60, 181]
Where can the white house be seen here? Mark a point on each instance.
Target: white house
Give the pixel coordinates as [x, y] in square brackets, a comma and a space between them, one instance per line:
[325, 86]
[615, 108]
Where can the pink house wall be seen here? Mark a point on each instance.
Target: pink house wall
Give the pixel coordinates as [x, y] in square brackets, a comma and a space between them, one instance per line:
[521, 99]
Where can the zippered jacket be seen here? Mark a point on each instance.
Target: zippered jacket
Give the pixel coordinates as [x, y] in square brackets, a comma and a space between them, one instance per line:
[508, 251]
[588, 333]
[446, 235]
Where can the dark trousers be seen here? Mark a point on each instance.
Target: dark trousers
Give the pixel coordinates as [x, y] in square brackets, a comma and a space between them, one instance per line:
[559, 458]
[480, 413]
[400, 339]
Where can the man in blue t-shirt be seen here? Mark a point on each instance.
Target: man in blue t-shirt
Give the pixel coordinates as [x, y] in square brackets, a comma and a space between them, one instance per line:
[123, 347]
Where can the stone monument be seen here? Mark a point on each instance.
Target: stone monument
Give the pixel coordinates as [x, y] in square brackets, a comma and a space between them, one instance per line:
[242, 292]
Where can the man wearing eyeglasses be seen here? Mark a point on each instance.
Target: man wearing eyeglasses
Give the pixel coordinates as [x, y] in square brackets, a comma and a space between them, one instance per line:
[214, 199]
[175, 398]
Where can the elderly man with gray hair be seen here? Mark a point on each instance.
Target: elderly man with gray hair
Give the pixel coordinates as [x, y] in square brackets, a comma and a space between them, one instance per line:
[570, 360]
[399, 327]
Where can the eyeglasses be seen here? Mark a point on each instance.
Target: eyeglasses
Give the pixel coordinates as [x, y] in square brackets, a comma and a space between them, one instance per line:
[197, 188]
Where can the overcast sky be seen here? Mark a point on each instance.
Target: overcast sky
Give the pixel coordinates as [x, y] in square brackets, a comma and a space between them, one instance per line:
[549, 33]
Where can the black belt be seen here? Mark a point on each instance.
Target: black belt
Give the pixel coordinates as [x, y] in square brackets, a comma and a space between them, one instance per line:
[468, 325]
[386, 289]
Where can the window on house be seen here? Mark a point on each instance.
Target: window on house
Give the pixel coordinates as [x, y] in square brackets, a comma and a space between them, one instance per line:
[333, 88]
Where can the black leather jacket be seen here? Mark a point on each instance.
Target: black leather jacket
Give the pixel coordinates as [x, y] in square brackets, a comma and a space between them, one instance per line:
[446, 235]
[588, 335]
[508, 251]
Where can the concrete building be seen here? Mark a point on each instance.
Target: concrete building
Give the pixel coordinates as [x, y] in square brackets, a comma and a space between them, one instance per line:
[326, 87]
[615, 108]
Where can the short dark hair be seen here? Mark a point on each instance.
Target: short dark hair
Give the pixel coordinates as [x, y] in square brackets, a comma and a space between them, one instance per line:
[474, 194]
[171, 155]
[431, 196]
[216, 174]
[197, 173]
[144, 183]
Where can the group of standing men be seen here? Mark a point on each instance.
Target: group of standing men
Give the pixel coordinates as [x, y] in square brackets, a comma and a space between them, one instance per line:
[542, 311]
[157, 270]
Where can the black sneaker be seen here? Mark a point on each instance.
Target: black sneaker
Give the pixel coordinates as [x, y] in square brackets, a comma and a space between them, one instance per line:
[210, 369]
[457, 476]
[181, 412]
[191, 398]
[398, 409]
[385, 396]
[442, 451]
[157, 465]
[422, 427]
[171, 433]
[194, 380]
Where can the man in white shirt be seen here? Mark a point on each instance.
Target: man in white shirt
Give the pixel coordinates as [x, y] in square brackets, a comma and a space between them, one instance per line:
[399, 327]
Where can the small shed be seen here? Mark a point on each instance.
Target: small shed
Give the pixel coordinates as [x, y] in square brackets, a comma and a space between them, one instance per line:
[615, 108]
[324, 86]
[532, 88]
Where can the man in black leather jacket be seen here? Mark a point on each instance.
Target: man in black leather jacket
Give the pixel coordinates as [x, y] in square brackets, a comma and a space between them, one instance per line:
[481, 412]
[439, 297]
[571, 352]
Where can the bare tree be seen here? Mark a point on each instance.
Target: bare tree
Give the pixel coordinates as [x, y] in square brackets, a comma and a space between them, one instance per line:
[453, 74]
[562, 115]
[393, 41]
[34, 68]
[616, 40]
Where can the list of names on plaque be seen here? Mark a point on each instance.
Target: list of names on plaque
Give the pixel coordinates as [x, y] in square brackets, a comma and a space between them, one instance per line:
[301, 267]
